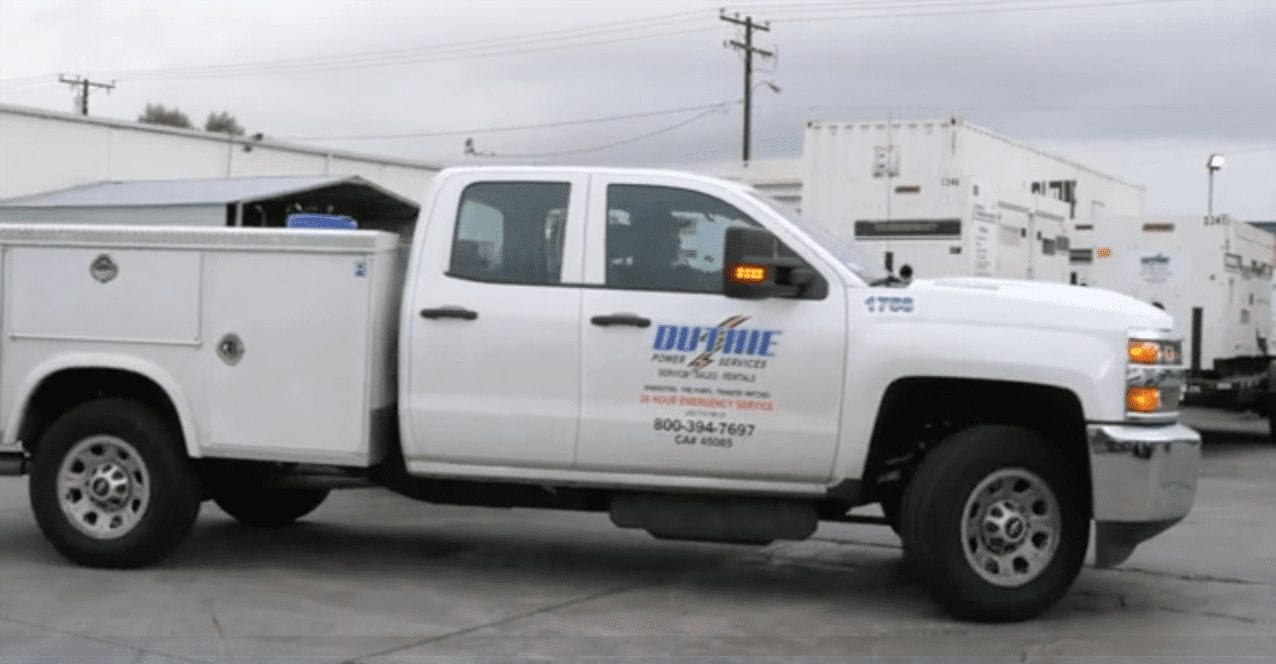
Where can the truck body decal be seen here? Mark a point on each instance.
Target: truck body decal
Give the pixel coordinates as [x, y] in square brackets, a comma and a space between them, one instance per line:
[709, 379]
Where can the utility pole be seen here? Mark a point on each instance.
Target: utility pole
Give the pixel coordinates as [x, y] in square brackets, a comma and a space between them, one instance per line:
[749, 49]
[84, 84]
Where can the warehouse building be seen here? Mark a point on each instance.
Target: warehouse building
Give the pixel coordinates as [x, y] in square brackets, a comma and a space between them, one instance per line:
[43, 150]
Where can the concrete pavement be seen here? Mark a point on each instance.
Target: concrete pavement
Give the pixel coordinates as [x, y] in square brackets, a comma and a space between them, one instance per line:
[374, 577]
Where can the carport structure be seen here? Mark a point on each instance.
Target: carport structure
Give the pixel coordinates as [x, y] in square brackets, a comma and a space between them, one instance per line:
[242, 201]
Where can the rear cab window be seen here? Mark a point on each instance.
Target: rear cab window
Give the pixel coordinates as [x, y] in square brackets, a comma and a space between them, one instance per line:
[511, 232]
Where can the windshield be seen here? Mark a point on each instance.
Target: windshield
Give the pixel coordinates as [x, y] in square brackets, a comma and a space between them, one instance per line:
[842, 249]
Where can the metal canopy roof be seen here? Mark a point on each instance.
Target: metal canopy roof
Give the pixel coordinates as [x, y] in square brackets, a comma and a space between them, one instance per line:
[210, 191]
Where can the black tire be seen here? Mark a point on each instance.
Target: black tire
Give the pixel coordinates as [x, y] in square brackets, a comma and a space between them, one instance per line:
[935, 503]
[173, 489]
[263, 507]
[1269, 407]
[890, 509]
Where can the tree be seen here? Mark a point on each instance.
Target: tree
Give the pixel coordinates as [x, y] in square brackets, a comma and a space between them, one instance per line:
[158, 114]
[223, 123]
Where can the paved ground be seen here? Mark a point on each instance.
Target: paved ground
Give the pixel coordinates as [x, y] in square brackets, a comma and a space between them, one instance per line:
[373, 577]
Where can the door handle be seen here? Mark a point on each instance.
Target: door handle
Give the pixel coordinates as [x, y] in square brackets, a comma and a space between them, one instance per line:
[460, 313]
[631, 320]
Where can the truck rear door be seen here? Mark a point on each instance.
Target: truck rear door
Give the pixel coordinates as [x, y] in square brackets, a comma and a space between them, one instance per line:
[493, 342]
[679, 379]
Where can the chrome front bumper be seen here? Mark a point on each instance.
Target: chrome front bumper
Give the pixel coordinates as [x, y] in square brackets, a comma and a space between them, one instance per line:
[1143, 480]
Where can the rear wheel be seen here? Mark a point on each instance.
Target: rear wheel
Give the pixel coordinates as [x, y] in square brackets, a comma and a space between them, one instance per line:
[111, 485]
[254, 505]
[993, 525]
[890, 509]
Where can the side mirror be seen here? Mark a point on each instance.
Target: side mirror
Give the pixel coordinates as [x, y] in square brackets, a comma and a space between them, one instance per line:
[753, 268]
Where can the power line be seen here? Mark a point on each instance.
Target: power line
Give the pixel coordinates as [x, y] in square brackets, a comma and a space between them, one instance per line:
[524, 127]
[447, 47]
[1003, 8]
[900, 7]
[613, 144]
[627, 30]
[423, 60]
[864, 5]
[29, 86]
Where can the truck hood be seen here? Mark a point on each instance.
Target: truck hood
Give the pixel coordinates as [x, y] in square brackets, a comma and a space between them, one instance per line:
[1048, 304]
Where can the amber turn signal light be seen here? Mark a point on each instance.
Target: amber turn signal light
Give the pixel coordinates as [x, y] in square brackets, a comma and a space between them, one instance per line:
[748, 274]
[1144, 352]
[1143, 399]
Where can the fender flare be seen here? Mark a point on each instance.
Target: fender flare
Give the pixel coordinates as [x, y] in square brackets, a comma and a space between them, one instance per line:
[109, 361]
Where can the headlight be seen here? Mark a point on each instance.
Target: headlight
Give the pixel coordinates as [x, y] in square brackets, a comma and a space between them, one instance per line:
[1150, 351]
[1153, 377]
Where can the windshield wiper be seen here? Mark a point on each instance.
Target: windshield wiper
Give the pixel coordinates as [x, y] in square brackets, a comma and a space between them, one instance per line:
[888, 280]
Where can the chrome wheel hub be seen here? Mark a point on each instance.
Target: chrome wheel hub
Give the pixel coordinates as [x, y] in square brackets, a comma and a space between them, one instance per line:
[103, 487]
[1010, 527]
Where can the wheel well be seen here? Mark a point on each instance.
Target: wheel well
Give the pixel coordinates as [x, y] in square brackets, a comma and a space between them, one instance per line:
[917, 413]
[65, 389]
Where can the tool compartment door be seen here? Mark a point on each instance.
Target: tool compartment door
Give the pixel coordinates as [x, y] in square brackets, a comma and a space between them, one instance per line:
[288, 339]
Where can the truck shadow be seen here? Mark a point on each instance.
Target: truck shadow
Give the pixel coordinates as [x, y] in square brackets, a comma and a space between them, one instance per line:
[839, 572]
[585, 553]
[1217, 439]
[382, 554]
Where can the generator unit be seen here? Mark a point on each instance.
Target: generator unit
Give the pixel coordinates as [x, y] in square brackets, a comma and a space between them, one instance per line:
[948, 198]
[1213, 275]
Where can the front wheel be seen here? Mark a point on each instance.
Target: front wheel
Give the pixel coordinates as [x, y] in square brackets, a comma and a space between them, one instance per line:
[994, 525]
[111, 485]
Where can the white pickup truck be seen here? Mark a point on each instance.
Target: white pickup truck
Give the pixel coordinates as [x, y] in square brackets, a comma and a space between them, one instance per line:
[676, 350]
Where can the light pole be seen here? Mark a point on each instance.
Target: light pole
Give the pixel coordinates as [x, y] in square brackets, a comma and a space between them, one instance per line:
[1214, 163]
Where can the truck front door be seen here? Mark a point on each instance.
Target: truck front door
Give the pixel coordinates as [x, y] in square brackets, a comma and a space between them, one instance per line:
[679, 379]
[494, 341]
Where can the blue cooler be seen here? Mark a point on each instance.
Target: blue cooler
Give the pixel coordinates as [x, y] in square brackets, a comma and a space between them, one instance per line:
[316, 220]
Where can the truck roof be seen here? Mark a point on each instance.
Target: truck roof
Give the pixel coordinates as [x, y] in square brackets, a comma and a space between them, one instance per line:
[591, 170]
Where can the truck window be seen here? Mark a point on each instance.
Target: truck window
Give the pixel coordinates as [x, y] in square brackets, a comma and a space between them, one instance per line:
[664, 238]
[510, 232]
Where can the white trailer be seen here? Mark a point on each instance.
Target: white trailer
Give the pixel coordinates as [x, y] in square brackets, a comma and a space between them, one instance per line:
[949, 198]
[1213, 276]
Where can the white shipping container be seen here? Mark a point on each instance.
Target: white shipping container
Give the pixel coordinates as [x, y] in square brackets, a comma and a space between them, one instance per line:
[1217, 273]
[952, 199]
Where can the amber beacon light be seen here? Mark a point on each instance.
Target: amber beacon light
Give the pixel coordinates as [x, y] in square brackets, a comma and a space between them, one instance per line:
[748, 274]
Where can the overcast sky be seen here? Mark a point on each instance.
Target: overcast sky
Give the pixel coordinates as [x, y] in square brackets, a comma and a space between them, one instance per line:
[1143, 90]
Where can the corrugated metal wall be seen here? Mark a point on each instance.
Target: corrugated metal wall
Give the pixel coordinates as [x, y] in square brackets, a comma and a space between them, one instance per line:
[43, 150]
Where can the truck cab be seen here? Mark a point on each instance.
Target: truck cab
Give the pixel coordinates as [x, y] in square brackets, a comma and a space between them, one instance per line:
[678, 351]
